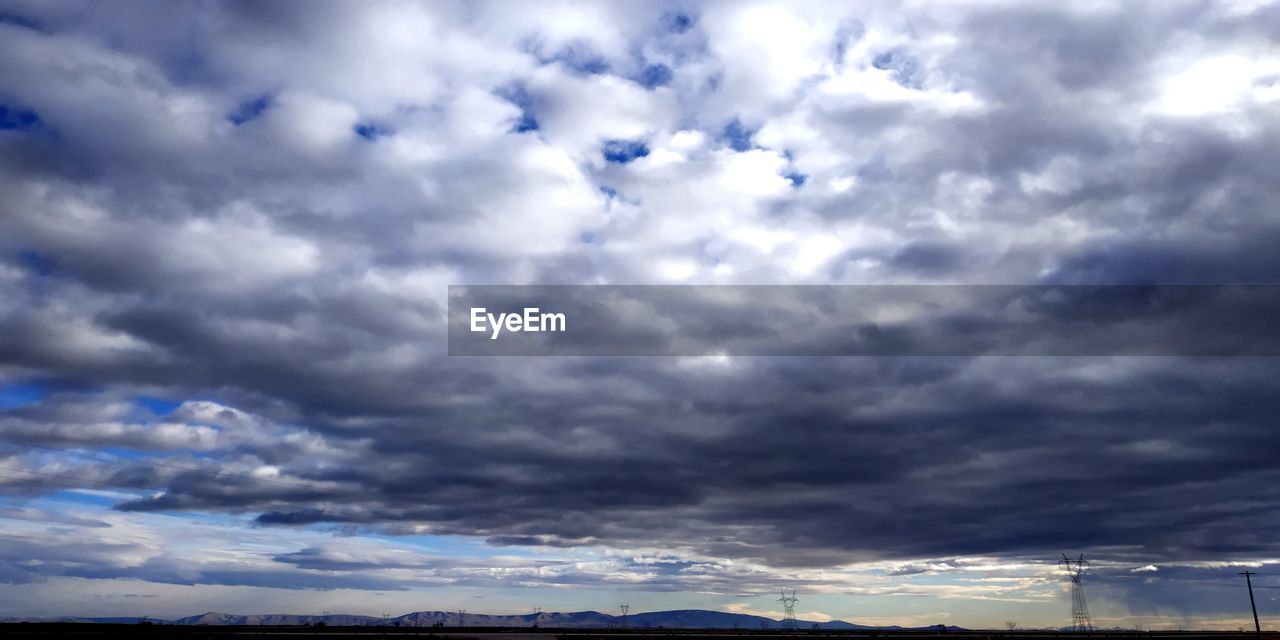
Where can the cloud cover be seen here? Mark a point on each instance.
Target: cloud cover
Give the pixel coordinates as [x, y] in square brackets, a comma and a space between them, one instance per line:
[251, 212]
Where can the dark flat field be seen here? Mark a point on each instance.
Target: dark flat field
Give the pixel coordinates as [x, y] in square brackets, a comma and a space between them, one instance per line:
[156, 631]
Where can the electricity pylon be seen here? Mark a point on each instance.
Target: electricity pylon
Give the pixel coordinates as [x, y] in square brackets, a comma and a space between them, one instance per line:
[788, 609]
[1079, 608]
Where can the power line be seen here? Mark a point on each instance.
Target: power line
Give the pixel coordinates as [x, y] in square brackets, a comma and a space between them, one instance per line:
[1212, 582]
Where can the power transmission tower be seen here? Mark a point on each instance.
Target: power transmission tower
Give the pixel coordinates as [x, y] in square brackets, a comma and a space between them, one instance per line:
[1248, 579]
[622, 620]
[788, 609]
[462, 616]
[1079, 608]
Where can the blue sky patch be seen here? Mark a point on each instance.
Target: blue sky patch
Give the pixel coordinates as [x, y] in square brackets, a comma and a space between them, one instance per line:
[624, 151]
[656, 75]
[677, 22]
[580, 59]
[79, 497]
[158, 406]
[18, 21]
[737, 136]
[525, 123]
[16, 395]
[12, 119]
[518, 96]
[613, 195]
[370, 131]
[905, 68]
[37, 262]
[797, 179]
[249, 109]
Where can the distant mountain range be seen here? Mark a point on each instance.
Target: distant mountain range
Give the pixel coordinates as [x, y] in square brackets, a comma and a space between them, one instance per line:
[681, 619]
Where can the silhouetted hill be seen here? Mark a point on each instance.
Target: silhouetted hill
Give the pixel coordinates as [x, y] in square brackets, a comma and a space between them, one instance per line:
[679, 619]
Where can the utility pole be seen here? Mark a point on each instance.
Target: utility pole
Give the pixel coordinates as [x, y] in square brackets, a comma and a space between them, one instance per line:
[1248, 579]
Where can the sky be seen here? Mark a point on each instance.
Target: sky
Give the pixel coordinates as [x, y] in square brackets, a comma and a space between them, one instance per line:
[228, 229]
